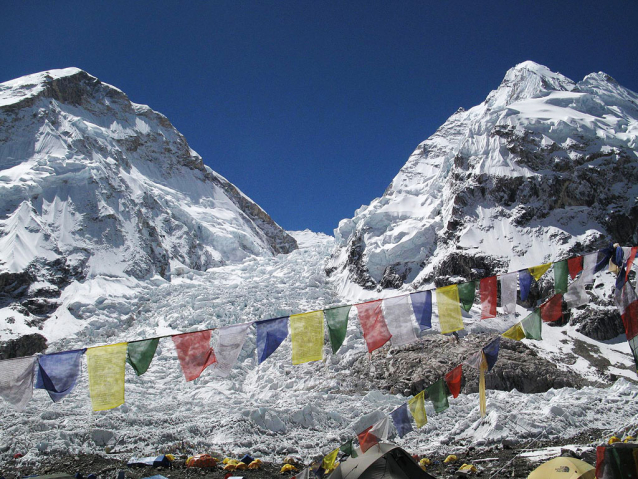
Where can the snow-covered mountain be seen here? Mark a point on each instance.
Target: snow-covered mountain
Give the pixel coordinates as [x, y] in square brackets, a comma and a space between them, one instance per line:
[543, 168]
[95, 186]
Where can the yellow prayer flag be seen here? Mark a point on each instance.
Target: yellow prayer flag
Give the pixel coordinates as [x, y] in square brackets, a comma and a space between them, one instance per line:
[417, 409]
[449, 305]
[106, 375]
[516, 332]
[538, 271]
[329, 460]
[482, 396]
[306, 332]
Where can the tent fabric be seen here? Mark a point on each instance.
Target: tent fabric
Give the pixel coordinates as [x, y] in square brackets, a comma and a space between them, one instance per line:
[417, 409]
[375, 329]
[398, 316]
[422, 307]
[194, 353]
[337, 321]
[467, 293]
[509, 285]
[561, 272]
[139, 354]
[575, 266]
[453, 380]
[525, 283]
[491, 352]
[564, 468]
[230, 342]
[516, 332]
[448, 303]
[306, 334]
[437, 393]
[16, 381]
[58, 373]
[489, 291]
[552, 309]
[270, 334]
[401, 420]
[540, 270]
[106, 366]
[532, 325]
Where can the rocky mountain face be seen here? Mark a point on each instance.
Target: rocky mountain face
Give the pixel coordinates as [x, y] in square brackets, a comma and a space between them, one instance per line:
[92, 185]
[543, 169]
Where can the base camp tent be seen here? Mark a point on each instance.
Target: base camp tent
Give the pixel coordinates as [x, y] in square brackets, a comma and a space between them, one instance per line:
[382, 461]
[563, 468]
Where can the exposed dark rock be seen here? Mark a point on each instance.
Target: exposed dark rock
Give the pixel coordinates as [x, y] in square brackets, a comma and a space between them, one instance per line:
[23, 346]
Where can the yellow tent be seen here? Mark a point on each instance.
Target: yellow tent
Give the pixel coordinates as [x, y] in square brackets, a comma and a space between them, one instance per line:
[564, 468]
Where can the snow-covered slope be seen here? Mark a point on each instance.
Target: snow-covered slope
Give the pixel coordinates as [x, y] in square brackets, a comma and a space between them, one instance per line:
[543, 168]
[95, 186]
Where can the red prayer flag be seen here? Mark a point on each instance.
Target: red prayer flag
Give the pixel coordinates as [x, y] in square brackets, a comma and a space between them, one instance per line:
[488, 287]
[630, 261]
[600, 460]
[575, 266]
[453, 380]
[628, 308]
[194, 352]
[375, 330]
[552, 309]
[367, 440]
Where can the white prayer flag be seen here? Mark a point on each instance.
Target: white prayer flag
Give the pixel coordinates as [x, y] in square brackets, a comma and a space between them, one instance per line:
[16, 381]
[399, 318]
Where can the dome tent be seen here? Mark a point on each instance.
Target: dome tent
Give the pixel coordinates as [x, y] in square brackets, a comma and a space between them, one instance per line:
[381, 461]
[563, 468]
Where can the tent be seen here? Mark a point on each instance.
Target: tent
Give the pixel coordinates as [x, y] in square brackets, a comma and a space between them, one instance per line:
[381, 461]
[563, 468]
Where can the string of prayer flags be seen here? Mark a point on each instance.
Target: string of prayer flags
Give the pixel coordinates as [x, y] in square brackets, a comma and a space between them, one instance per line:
[447, 300]
[516, 332]
[139, 354]
[329, 460]
[398, 317]
[561, 271]
[540, 270]
[307, 333]
[16, 381]
[270, 334]
[488, 289]
[552, 310]
[532, 325]
[422, 307]
[375, 329]
[490, 352]
[509, 285]
[467, 293]
[437, 393]
[194, 353]
[337, 321]
[106, 366]
[453, 380]
[606, 257]
[230, 341]
[483, 367]
[576, 294]
[417, 409]
[401, 420]
[58, 373]
[525, 283]
[575, 266]
[348, 449]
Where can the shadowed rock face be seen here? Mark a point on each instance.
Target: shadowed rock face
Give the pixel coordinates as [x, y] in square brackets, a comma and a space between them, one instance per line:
[27, 345]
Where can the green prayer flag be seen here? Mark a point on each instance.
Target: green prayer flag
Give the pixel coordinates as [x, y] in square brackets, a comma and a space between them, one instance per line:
[337, 320]
[561, 270]
[437, 393]
[348, 449]
[532, 325]
[140, 354]
[467, 291]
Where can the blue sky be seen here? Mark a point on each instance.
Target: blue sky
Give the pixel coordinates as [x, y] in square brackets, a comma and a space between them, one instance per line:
[312, 107]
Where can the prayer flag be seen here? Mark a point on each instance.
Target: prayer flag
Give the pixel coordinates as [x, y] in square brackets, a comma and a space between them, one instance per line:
[482, 393]
[627, 303]
[422, 306]
[106, 366]
[329, 460]
[576, 294]
[532, 325]
[398, 316]
[525, 282]
[401, 420]
[305, 474]
[561, 271]
[270, 334]
[307, 333]
[375, 330]
[194, 353]
[467, 292]
[490, 352]
[16, 381]
[448, 303]
[509, 284]
[475, 359]
[516, 332]
[230, 341]
[139, 354]
[453, 380]
[605, 257]
[337, 319]
[552, 309]
[417, 409]
[630, 261]
[367, 439]
[381, 429]
[437, 393]
[348, 449]
[488, 287]
[575, 266]
[58, 373]
[589, 268]
[540, 270]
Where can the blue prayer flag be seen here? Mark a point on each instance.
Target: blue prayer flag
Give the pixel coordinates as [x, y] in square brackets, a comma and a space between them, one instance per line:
[525, 281]
[491, 352]
[422, 307]
[401, 420]
[58, 373]
[270, 334]
[607, 254]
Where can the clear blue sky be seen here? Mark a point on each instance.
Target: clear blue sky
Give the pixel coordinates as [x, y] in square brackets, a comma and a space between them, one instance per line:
[312, 107]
